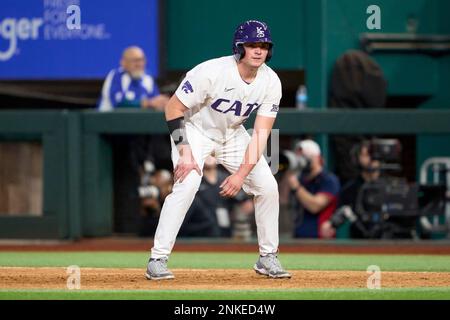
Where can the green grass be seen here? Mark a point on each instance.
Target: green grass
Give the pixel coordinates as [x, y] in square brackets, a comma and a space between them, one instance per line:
[227, 260]
[316, 294]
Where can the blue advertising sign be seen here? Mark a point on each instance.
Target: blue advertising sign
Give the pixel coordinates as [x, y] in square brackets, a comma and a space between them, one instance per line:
[74, 39]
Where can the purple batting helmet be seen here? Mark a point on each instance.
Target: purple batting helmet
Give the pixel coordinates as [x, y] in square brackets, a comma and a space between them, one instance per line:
[251, 31]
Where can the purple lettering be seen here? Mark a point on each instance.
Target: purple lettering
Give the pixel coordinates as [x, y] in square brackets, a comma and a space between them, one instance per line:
[236, 107]
[250, 108]
[216, 104]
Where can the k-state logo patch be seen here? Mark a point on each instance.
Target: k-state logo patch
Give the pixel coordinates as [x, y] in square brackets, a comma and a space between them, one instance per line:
[259, 32]
[187, 87]
[275, 108]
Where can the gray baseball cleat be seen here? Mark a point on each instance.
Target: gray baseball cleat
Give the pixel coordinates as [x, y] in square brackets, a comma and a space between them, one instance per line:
[270, 266]
[157, 270]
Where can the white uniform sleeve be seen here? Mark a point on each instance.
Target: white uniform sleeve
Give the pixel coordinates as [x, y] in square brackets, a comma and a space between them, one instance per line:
[271, 103]
[194, 88]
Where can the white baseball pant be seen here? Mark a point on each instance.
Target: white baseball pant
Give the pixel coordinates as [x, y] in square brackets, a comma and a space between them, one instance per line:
[260, 183]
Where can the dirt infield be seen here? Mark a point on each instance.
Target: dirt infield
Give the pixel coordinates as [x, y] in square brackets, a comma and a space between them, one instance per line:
[203, 279]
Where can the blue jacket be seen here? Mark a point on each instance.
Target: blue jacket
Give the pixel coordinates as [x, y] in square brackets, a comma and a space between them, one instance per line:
[120, 90]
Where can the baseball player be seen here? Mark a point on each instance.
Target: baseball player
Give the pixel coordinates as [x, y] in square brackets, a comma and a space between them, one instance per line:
[205, 117]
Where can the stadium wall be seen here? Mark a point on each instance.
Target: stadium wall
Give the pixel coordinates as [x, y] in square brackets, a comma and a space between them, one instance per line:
[77, 162]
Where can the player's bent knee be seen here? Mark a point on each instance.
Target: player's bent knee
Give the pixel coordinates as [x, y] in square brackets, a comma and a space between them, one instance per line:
[270, 188]
[189, 187]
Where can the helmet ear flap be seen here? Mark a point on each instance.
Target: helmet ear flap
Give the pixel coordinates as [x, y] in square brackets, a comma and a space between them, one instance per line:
[240, 51]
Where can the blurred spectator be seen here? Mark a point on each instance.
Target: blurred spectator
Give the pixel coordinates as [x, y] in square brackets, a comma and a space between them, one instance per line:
[209, 214]
[130, 85]
[369, 171]
[155, 187]
[315, 192]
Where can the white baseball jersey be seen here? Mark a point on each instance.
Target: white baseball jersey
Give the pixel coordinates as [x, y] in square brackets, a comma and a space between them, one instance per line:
[220, 101]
